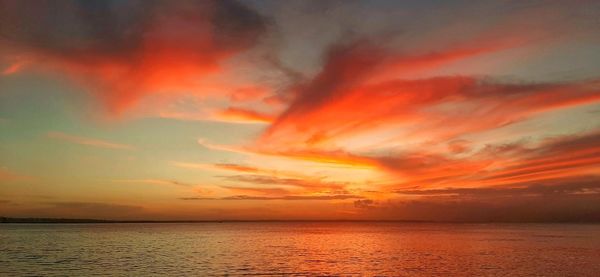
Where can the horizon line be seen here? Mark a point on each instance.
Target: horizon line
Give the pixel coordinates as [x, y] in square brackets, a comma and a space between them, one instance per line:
[51, 220]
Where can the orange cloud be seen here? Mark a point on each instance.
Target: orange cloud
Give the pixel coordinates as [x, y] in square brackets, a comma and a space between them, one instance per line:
[259, 190]
[286, 197]
[223, 147]
[345, 101]
[365, 88]
[489, 166]
[155, 182]
[268, 177]
[429, 104]
[225, 167]
[335, 157]
[239, 115]
[14, 68]
[568, 156]
[249, 93]
[7, 175]
[88, 141]
[305, 183]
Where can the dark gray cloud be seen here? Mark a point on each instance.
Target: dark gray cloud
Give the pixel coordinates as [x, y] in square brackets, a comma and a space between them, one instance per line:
[575, 185]
[118, 28]
[124, 50]
[573, 199]
[364, 204]
[564, 208]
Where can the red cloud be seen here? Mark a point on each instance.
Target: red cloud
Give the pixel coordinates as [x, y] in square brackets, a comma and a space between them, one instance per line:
[124, 52]
[361, 89]
[241, 115]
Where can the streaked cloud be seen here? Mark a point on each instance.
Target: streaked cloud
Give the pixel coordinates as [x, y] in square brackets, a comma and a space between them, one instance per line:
[259, 190]
[13, 68]
[268, 177]
[287, 197]
[224, 147]
[229, 167]
[240, 115]
[155, 182]
[9, 175]
[306, 183]
[573, 185]
[88, 141]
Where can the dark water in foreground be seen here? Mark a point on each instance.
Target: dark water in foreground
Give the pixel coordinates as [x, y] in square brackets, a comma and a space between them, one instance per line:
[320, 248]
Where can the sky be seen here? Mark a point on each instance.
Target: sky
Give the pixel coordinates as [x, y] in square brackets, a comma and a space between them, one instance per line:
[300, 110]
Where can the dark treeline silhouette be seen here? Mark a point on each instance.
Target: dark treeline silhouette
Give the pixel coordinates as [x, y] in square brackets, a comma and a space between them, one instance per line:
[50, 220]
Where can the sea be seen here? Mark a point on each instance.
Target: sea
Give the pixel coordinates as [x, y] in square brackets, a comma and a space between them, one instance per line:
[299, 249]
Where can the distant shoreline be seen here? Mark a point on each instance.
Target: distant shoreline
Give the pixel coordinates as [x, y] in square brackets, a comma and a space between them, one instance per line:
[10, 220]
[86, 220]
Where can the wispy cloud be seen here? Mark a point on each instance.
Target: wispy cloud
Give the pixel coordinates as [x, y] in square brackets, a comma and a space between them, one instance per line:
[88, 141]
[335, 157]
[211, 167]
[224, 147]
[15, 67]
[241, 115]
[307, 183]
[286, 197]
[268, 177]
[260, 190]
[232, 167]
[560, 186]
[155, 182]
[9, 175]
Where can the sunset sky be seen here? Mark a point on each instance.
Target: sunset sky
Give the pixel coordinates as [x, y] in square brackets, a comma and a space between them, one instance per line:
[418, 110]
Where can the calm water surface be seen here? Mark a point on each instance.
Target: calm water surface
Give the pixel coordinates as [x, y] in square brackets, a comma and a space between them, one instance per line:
[322, 248]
